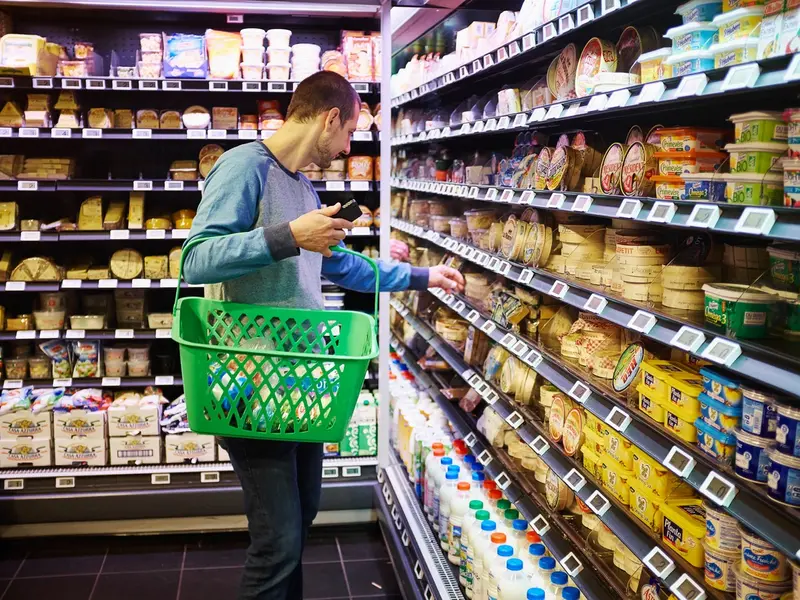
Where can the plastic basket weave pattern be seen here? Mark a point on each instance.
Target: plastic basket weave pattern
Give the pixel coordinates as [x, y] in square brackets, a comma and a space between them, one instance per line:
[272, 373]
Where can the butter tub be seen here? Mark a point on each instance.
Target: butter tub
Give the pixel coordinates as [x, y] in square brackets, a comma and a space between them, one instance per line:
[737, 310]
[657, 478]
[684, 527]
[735, 52]
[721, 387]
[718, 445]
[739, 23]
[688, 139]
[762, 560]
[699, 11]
[752, 460]
[652, 65]
[704, 186]
[784, 266]
[719, 415]
[693, 61]
[759, 126]
[753, 189]
[720, 568]
[678, 164]
[693, 36]
[756, 157]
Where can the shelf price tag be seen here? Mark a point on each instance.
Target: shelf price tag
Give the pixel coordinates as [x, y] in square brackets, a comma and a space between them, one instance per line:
[679, 462]
[12, 384]
[15, 286]
[629, 209]
[111, 382]
[688, 339]
[172, 85]
[29, 132]
[565, 24]
[539, 445]
[123, 334]
[540, 525]
[71, 284]
[75, 334]
[520, 348]
[477, 127]
[582, 203]
[549, 31]
[595, 303]
[722, 351]
[508, 340]
[685, 588]
[173, 185]
[659, 563]
[792, 72]
[651, 92]
[574, 480]
[43, 83]
[218, 86]
[491, 194]
[533, 359]
[488, 61]
[528, 42]
[537, 115]
[554, 112]
[502, 54]
[140, 185]
[515, 420]
[513, 49]
[334, 186]
[60, 132]
[476, 66]
[121, 84]
[692, 85]
[559, 289]
[704, 216]
[642, 321]
[527, 197]
[580, 391]
[741, 76]
[142, 134]
[27, 186]
[248, 134]
[756, 221]
[488, 327]
[217, 134]
[6, 82]
[470, 439]
[7, 132]
[598, 503]
[556, 201]
[490, 125]
[155, 234]
[485, 458]
[473, 316]
[525, 277]
[195, 134]
[507, 196]
[30, 236]
[49, 334]
[92, 133]
[585, 14]
[618, 419]
[610, 5]
[504, 123]
[597, 102]
[502, 481]
[618, 99]
[718, 489]
[26, 335]
[661, 212]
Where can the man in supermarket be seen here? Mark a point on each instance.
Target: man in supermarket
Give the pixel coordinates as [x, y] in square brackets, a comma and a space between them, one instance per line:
[268, 243]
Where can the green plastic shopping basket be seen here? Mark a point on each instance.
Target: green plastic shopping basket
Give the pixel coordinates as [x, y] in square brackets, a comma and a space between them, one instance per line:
[297, 380]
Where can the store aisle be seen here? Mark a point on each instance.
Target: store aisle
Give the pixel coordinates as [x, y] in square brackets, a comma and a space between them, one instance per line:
[340, 563]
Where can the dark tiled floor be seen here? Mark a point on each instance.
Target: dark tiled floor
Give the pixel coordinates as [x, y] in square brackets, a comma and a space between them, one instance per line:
[340, 563]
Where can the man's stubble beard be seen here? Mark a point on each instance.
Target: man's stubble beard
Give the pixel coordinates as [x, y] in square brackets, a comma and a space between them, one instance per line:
[324, 153]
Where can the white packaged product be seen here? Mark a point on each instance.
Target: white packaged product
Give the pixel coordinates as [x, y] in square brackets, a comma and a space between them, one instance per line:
[279, 38]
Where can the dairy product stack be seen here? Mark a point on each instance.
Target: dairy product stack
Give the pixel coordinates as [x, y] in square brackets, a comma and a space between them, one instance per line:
[641, 256]
[683, 285]
[305, 60]
[279, 52]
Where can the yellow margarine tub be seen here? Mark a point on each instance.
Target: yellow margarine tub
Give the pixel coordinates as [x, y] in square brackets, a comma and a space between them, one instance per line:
[615, 479]
[684, 390]
[593, 423]
[682, 427]
[619, 448]
[653, 67]
[655, 374]
[657, 477]
[652, 408]
[735, 52]
[684, 527]
[739, 23]
[594, 441]
[645, 505]
[592, 461]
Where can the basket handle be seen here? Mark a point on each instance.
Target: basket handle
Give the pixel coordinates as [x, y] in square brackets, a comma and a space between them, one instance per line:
[194, 241]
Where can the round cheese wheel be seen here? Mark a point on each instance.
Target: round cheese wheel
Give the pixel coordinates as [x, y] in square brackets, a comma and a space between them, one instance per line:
[557, 264]
[643, 292]
[577, 234]
[638, 168]
[572, 438]
[624, 249]
[557, 494]
[542, 168]
[564, 75]
[611, 168]
[684, 299]
[676, 277]
[585, 251]
[548, 393]
[635, 272]
[597, 56]
[126, 264]
[635, 134]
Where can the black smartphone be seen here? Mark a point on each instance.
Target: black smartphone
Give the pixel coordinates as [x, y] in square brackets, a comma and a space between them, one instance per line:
[350, 211]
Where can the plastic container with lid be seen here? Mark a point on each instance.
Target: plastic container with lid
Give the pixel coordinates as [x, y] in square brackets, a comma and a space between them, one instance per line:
[619, 448]
[684, 390]
[759, 413]
[783, 480]
[279, 55]
[762, 560]
[688, 139]
[784, 264]
[693, 61]
[252, 71]
[755, 157]
[791, 183]
[720, 387]
[684, 527]
[719, 415]
[735, 52]
[722, 530]
[693, 36]
[652, 65]
[645, 504]
[787, 431]
[677, 164]
[279, 38]
[752, 461]
[675, 422]
[649, 405]
[704, 186]
[720, 446]
[615, 479]
[669, 188]
[729, 5]
[754, 189]
[278, 71]
[759, 126]
[655, 374]
[751, 588]
[701, 11]
[512, 583]
[720, 572]
[739, 23]
[737, 310]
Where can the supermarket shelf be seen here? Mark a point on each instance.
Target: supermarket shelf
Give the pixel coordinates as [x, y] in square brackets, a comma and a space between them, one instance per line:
[102, 284]
[88, 133]
[126, 235]
[746, 502]
[770, 366]
[146, 185]
[91, 334]
[94, 382]
[398, 542]
[731, 219]
[587, 19]
[191, 86]
[569, 556]
[616, 517]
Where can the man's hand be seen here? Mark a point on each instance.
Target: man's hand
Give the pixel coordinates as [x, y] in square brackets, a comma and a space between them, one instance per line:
[446, 278]
[398, 250]
[318, 230]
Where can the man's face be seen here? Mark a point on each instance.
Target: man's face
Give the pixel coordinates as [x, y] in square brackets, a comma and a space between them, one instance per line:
[335, 138]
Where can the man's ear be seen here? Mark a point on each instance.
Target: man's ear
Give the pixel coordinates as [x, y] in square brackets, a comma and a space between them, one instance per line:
[331, 117]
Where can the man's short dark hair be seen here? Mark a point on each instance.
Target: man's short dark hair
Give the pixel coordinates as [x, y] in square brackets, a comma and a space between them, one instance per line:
[321, 92]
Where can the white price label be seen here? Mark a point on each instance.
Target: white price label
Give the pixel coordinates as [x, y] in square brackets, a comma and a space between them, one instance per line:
[485, 458]
[470, 440]
[520, 348]
[618, 99]
[124, 334]
[29, 132]
[7, 132]
[141, 283]
[756, 221]
[686, 588]
[6, 82]
[692, 85]
[504, 123]
[248, 134]
[549, 31]
[704, 216]
[508, 340]
[75, 334]
[507, 196]
[488, 61]
[42, 83]
[15, 286]
[92, 133]
[629, 209]
[107, 283]
[180, 234]
[473, 192]
[477, 127]
[490, 125]
[528, 42]
[661, 212]
[642, 321]
[502, 54]
[74, 84]
[30, 236]
[491, 194]
[554, 112]
[688, 339]
[65, 382]
[659, 563]
[488, 327]
[651, 92]
[173, 186]
[217, 134]
[556, 201]
[722, 351]
[272, 86]
[49, 334]
[111, 382]
[26, 335]
[168, 283]
[27, 186]
[719, 489]
[559, 289]
[597, 102]
[740, 77]
[473, 316]
[527, 197]
[163, 334]
[582, 203]
[595, 304]
[165, 380]
[525, 277]
[598, 503]
[539, 445]
[359, 186]
[565, 24]
[679, 462]
[67, 284]
[60, 132]
[12, 384]
[792, 72]
[141, 134]
[171, 85]
[140, 185]
[502, 481]
[540, 525]
[533, 359]
[610, 5]
[520, 120]
[218, 86]
[580, 391]
[537, 115]
[121, 84]
[155, 234]
[195, 134]
[618, 419]
[574, 480]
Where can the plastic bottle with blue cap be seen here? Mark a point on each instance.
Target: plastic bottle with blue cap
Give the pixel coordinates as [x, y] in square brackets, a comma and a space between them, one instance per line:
[432, 463]
[513, 583]
[535, 594]
[496, 568]
[445, 498]
[483, 561]
[558, 581]
[476, 515]
[535, 553]
[478, 544]
[438, 484]
[570, 593]
[517, 537]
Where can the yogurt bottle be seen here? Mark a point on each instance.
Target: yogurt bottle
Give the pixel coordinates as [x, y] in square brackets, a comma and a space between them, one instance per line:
[535, 553]
[483, 562]
[570, 593]
[435, 481]
[446, 496]
[469, 535]
[439, 485]
[512, 584]
[477, 548]
[558, 581]
[535, 594]
[497, 567]
[458, 510]
[432, 463]
[518, 536]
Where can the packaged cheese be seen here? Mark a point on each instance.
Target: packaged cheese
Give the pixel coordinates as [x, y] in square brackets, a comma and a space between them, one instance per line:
[224, 118]
[170, 119]
[100, 118]
[359, 167]
[90, 217]
[126, 264]
[36, 269]
[155, 267]
[123, 119]
[11, 115]
[136, 210]
[115, 215]
[8, 216]
[174, 262]
[147, 119]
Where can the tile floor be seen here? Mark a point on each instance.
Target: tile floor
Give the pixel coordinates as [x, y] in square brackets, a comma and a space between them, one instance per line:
[340, 563]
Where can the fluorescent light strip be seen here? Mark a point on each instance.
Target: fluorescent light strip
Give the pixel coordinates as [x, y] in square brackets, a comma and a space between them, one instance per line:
[242, 7]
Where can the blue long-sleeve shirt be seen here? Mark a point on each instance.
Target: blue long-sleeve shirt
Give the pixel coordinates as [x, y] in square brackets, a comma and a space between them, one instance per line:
[250, 255]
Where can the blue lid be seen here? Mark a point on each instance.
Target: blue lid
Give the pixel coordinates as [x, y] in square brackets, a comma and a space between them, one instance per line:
[446, 460]
[505, 550]
[455, 468]
[452, 475]
[715, 375]
[469, 459]
[520, 525]
[536, 549]
[547, 563]
[725, 438]
[570, 593]
[514, 564]
[536, 594]
[478, 476]
[478, 467]
[488, 525]
[558, 578]
[721, 407]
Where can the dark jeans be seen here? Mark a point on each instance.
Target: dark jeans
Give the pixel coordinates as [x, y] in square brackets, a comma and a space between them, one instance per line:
[281, 483]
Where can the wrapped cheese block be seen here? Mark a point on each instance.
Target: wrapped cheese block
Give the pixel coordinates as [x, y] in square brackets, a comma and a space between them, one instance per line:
[123, 118]
[36, 269]
[136, 210]
[170, 119]
[174, 262]
[147, 119]
[115, 215]
[126, 264]
[90, 216]
[156, 267]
